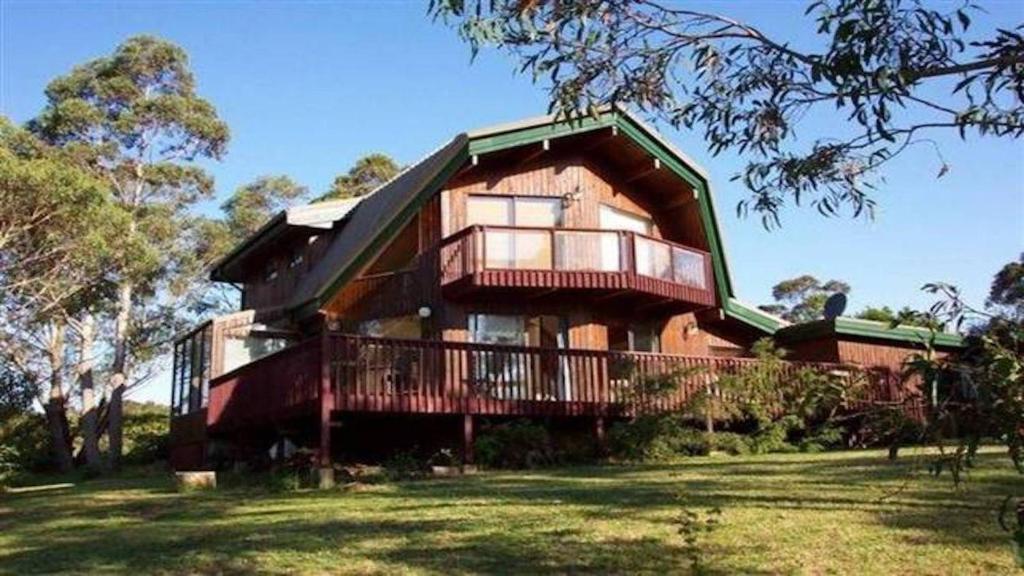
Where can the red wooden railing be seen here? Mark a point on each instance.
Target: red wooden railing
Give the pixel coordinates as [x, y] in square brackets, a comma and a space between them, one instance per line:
[277, 386]
[423, 376]
[576, 258]
[391, 375]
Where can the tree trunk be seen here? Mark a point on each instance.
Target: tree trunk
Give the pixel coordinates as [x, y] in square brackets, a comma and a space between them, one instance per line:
[86, 382]
[56, 409]
[119, 373]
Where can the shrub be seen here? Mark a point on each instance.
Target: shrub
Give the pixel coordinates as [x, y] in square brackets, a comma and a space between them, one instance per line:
[24, 444]
[519, 444]
[774, 436]
[824, 438]
[402, 465]
[146, 430]
[730, 443]
[657, 437]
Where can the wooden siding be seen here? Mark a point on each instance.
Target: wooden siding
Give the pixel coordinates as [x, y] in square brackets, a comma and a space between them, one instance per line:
[260, 293]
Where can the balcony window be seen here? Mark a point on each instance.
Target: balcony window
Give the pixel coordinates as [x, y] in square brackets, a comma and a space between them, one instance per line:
[519, 249]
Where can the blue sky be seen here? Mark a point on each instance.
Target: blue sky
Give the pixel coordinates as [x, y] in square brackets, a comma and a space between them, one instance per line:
[308, 87]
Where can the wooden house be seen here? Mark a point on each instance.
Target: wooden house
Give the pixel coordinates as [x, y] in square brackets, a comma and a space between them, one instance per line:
[532, 269]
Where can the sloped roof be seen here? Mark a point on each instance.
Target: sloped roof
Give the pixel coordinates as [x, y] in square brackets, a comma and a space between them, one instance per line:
[378, 218]
[316, 216]
[374, 221]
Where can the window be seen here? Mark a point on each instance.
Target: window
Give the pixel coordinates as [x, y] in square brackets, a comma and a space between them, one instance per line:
[635, 337]
[615, 219]
[520, 249]
[522, 211]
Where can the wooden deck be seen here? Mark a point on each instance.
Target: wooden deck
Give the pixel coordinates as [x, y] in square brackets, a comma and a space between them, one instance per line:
[346, 373]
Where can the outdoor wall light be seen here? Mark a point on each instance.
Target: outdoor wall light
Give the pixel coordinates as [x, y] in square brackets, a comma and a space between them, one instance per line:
[425, 311]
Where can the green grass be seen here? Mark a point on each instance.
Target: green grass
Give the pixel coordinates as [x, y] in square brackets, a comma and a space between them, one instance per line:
[812, 514]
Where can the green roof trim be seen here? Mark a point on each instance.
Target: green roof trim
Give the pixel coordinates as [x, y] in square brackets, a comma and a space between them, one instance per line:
[856, 327]
[523, 136]
[754, 317]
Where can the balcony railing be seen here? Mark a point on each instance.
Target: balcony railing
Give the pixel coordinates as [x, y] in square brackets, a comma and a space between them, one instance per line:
[598, 254]
[423, 376]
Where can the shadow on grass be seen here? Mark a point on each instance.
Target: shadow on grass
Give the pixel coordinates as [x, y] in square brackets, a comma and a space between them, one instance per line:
[464, 525]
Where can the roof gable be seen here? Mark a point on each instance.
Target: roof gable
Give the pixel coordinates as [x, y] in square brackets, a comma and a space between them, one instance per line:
[380, 217]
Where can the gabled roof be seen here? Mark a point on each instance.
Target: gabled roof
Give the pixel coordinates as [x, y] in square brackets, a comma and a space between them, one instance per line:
[312, 217]
[369, 228]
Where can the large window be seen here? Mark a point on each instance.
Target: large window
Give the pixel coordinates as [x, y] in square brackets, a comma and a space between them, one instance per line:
[520, 249]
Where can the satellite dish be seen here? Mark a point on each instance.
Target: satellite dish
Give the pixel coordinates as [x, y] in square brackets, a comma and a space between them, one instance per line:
[835, 306]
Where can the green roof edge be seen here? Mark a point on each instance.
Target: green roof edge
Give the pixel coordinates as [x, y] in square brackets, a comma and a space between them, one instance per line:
[869, 329]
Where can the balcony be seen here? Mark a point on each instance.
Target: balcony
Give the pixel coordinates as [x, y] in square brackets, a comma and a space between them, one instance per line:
[608, 262]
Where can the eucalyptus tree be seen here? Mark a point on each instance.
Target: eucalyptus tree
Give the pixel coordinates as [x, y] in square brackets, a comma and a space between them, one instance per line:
[802, 299]
[135, 120]
[890, 71]
[58, 229]
[252, 204]
[365, 176]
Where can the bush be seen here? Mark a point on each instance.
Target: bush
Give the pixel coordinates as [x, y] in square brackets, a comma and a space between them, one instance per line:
[657, 437]
[402, 465]
[730, 443]
[827, 437]
[519, 444]
[773, 438]
[146, 433]
[24, 444]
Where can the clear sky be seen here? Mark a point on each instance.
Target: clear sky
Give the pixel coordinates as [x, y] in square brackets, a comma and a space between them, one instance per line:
[308, 87]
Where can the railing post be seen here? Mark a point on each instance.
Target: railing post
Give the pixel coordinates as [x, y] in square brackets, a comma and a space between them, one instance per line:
[326, 471]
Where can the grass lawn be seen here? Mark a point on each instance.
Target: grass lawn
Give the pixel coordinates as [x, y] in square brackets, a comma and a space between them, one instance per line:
[813, 514]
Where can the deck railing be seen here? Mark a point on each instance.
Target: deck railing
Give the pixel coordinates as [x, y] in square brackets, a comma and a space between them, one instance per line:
[423, 376]
[479, 248]
[391, 375]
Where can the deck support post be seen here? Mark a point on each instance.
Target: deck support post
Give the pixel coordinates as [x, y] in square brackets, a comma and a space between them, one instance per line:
[467, 439]
[599, 436]
[326, 465]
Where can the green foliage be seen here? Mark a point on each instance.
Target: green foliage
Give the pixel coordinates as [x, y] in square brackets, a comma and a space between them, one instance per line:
[146, 429]
[657, 437]
[1006, 294]
[366, 175]
[978, 393]
[517, 444]
[894, 69]
[253, 204]
[24, 444]
[802, 299]
[731, 443]
[906, 316]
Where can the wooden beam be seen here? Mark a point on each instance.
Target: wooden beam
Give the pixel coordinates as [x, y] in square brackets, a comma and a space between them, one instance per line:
[651, 167]
[533, 155]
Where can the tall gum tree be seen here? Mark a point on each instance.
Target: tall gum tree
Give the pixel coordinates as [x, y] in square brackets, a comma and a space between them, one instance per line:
[136, 120]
